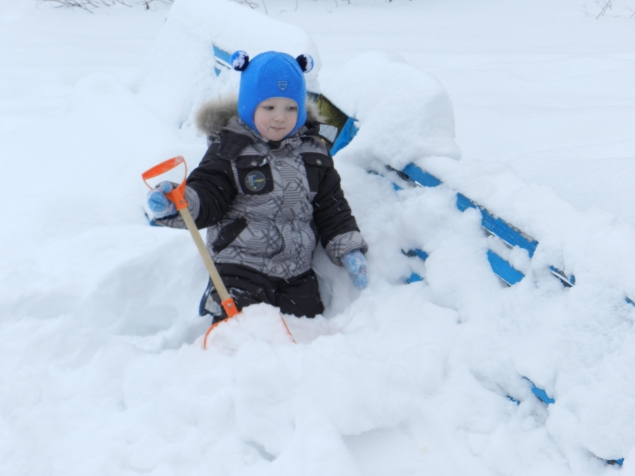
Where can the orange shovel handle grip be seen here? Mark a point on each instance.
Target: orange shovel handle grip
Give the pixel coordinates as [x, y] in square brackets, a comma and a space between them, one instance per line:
[177, 196]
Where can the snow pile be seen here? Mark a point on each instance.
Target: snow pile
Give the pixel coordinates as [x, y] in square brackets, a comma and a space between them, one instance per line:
[593, 245]
[179, 72]
[577, 344]
[574, 343]
[402, 113]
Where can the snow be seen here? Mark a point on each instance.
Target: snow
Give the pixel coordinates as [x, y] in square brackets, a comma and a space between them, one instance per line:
[524, 108]
[402, 113]
[180, 65]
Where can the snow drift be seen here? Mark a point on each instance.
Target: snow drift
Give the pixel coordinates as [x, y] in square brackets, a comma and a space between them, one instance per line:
[103, 370]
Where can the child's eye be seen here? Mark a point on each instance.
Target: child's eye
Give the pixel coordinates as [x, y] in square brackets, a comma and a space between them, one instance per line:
[292, 108]
[268, 108]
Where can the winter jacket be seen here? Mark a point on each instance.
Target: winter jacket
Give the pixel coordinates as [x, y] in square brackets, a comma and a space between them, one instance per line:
[265, 205]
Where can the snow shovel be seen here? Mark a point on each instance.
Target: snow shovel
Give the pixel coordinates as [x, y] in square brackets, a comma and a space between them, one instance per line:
[177, 196]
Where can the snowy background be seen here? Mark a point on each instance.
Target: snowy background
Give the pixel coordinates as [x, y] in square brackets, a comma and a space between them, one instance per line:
[527, 108]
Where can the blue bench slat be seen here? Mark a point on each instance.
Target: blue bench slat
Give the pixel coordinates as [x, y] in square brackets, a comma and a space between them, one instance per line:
[416, 252]
[349, 130]
[421, 177]
[503, 269]
[499, 227]
[568, 281]
[540, 393]
[222, 57]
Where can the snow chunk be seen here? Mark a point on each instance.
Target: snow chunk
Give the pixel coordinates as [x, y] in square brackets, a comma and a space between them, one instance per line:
[402, 113]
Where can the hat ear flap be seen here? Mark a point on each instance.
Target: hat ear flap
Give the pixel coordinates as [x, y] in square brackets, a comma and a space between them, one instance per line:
[239, 60]
[305, 62]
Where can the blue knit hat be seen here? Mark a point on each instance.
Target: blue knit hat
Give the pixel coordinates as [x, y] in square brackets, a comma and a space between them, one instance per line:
[271, 75]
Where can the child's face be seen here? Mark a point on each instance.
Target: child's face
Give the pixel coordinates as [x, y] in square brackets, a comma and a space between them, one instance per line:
[275, 118]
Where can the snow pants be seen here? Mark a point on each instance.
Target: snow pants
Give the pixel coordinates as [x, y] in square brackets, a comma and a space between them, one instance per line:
[299, 296]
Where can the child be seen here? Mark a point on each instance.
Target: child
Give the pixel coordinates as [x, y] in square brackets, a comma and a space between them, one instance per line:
[267, 191]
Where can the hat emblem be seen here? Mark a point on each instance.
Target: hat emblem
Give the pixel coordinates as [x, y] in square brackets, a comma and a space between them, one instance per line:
[283, 85]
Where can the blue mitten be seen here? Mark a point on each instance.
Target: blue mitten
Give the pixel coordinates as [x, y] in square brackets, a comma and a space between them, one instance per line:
[158, 203]
[355, 264]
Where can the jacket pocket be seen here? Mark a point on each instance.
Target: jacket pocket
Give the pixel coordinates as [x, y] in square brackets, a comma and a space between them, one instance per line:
[316, 166]
[254, 175]
[228, 234]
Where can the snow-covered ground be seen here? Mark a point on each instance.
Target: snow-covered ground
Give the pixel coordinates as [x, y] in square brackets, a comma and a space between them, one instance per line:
[101, 366]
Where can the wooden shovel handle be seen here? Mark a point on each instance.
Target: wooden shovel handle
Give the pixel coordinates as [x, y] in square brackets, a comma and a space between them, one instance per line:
[177, 196]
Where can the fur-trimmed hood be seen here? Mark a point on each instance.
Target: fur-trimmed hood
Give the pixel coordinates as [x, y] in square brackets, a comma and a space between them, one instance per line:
[216, 114]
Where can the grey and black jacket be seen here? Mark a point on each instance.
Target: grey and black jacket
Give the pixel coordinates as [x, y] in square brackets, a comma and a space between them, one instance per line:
[265, 205]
